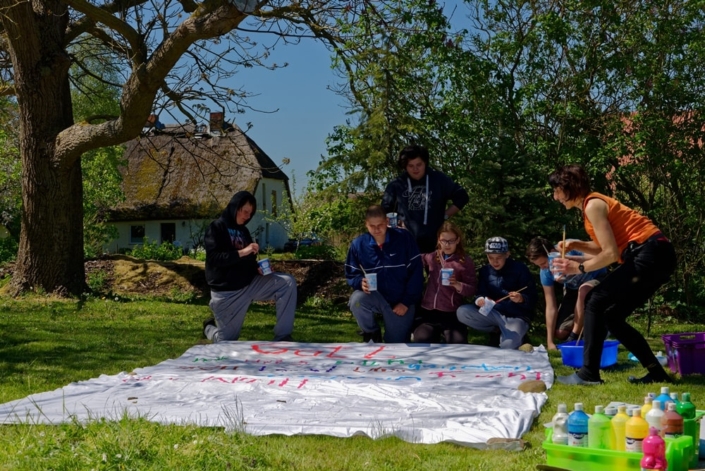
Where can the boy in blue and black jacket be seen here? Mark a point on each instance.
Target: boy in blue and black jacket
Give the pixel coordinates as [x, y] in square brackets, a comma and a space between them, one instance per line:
[505, 278]
[393, 256]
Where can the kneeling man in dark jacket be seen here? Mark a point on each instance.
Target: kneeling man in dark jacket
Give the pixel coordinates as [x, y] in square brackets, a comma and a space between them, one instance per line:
[236, 280]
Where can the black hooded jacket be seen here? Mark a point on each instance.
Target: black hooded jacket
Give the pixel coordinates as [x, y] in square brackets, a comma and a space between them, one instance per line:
[225, 269]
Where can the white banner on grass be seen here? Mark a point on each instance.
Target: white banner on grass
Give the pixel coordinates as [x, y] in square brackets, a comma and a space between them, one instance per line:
[418, 392]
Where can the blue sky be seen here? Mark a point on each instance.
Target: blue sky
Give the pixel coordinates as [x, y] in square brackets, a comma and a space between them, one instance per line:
[308, 109]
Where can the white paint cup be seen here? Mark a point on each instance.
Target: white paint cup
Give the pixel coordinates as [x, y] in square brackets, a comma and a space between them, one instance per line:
[371, 281]
[487, 307]
[393, 219]
[446, 273]
[265, 266]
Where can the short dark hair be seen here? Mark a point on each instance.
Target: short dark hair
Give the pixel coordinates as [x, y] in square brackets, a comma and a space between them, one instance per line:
[410, 153]
[375, 211]
[538, 247]
[572, 179]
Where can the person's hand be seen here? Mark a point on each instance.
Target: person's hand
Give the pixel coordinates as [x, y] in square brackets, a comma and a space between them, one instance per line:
[516, 297]
[479, 302]
[400, 309]
[565, 266]
[455, 283]
[551, 346]
[253, 248]
[365, 286]
[259, 270]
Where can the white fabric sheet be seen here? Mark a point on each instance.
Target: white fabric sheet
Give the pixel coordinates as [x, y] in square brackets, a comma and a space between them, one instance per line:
[418, 392]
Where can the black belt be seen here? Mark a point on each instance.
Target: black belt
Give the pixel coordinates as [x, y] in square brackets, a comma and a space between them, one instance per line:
[633, 246]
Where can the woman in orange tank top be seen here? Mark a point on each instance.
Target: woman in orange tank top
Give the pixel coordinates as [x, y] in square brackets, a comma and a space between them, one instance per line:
[646, 261]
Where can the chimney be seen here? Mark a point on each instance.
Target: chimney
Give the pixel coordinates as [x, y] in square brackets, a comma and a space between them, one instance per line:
[217, 122]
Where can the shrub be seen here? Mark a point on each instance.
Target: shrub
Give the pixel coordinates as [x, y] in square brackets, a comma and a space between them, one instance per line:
[97, 280]
[8, 249]
[317, 252]
[150, 250]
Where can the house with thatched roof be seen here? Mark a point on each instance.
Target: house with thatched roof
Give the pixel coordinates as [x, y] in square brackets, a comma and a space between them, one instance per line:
[178, 178]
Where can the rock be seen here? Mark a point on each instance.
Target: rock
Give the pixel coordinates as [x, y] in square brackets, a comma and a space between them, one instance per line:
[509, 444]
[532, 386]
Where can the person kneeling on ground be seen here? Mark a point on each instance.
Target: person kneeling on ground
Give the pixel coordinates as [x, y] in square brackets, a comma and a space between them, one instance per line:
[502, 280]
[564, 322]
[236, 280]
[441, 301]
[392, 257]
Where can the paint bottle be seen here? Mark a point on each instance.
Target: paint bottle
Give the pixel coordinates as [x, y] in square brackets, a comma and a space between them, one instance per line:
[686, 408]
[664, 398]
[654, 416]
[578, 426]
[560, 424]
[648, 404]
[599, 430]
[619, 423]
[654, 458]
[672, 422]
[636, 430]
[674, 398]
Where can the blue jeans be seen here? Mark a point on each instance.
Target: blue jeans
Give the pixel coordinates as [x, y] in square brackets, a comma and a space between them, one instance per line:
[512, 329]
[397, 329]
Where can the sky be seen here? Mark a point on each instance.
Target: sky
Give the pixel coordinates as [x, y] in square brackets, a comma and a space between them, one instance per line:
[308, 109]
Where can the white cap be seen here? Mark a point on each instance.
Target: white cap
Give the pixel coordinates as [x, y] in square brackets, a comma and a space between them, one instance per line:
[578, 406]
[599, 409]
[671, 406]
[648, 400]
[622, 408]
[636, 412]
[664, 390]
[562, 407]
[656, 404]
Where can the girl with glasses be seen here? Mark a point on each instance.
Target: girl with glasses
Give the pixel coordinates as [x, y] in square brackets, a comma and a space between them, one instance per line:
[437, 314]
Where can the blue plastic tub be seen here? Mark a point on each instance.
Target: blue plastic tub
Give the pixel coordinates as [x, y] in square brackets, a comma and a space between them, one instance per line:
[573, 354]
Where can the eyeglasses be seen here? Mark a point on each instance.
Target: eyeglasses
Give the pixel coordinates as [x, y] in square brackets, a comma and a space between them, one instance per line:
[448, 242]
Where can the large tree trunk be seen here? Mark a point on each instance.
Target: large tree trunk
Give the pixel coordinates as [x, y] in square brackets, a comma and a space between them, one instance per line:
[50, 256]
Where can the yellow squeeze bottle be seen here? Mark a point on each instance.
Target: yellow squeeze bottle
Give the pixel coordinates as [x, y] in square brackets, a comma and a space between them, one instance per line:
[619, 424]
[636, 430]
[648, 400]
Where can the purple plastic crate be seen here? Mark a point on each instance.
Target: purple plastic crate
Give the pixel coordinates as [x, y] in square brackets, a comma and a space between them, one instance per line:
[686, 352]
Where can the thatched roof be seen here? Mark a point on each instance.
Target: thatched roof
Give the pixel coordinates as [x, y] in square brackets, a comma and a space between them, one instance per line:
[177, 173]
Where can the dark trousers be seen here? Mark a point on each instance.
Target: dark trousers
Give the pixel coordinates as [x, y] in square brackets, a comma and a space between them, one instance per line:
[434, 323]
[646, 267]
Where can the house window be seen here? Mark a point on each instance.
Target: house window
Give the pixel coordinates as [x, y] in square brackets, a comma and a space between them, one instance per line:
[137, 234]
[274, 203]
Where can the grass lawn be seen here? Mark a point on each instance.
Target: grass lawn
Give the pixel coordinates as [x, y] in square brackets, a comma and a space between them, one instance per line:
[46, 344]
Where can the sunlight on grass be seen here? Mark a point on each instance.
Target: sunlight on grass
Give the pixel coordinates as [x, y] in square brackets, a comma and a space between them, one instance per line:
[46, 344]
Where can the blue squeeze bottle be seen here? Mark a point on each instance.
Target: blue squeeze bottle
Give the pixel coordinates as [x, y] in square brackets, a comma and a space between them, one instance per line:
[578, 427]
[664, 398]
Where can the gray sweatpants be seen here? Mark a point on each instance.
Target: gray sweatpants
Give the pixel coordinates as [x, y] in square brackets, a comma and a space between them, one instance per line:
[512, 329]
[229, 307]
[365, 306]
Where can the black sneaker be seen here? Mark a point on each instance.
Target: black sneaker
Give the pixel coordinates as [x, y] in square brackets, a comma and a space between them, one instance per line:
[494, 339]
[206, 323]
[375, 337]
[286, 338]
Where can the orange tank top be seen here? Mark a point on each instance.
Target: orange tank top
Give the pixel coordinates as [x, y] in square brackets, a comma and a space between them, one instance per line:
[627, 224]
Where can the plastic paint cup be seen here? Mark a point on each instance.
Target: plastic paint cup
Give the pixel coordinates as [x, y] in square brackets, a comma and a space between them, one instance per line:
[371, 281]
[551, 256]
[487, 307]
[446, 273]
[393, 219]
[265, 266]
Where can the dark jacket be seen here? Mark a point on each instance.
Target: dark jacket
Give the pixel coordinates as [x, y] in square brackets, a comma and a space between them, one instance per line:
[411, 205]
[225, 269]
[513, 276]
[397, 264]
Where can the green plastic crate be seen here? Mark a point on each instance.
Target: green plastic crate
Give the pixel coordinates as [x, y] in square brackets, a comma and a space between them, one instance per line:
[679, 452]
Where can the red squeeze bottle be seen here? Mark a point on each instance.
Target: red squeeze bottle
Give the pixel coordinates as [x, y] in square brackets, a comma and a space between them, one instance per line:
[672, 422]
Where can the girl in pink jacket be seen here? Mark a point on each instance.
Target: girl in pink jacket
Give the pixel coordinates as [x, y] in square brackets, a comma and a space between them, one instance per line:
[443, 296]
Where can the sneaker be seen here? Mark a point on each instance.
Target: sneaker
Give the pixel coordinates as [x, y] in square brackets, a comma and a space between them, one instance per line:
[206, 323]
[286, 338]
[493, 340]
[375, 337]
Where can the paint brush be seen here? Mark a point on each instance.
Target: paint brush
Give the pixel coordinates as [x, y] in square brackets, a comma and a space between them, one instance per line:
[563, 246]
[507, 296]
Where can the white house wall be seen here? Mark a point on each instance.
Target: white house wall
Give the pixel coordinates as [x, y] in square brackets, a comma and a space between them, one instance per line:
[188, 232]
